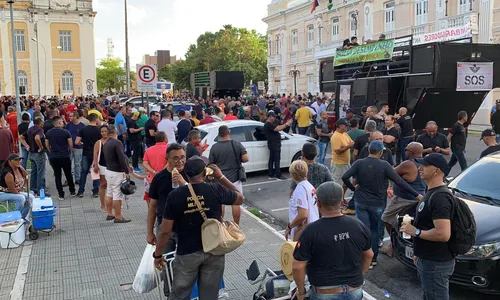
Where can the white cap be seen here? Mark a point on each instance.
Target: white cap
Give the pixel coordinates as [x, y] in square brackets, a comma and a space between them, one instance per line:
[134, 110]
[142, 109]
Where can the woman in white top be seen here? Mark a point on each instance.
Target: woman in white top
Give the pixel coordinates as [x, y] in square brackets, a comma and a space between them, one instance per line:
[302, 208]
[99, 165]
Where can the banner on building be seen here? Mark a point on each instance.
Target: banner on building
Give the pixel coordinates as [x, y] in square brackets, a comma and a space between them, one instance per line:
[381, 50]
[448, 34]
[474, 76]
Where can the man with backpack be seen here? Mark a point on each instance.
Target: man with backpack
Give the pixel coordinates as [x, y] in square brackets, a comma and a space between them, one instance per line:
[444, 227]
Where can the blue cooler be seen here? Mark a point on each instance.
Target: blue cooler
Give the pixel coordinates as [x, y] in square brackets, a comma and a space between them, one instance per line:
[43, 213]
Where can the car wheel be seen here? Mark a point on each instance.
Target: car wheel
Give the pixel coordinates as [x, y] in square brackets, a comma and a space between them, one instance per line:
[297, 156]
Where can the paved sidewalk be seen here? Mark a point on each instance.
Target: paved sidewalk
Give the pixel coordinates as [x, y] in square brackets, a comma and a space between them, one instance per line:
[90, 258]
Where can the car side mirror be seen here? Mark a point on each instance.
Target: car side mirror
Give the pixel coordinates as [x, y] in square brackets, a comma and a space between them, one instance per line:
[253, 271]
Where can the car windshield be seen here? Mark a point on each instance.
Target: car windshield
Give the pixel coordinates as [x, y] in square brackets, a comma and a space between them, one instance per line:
[480, 180]
[203, 134]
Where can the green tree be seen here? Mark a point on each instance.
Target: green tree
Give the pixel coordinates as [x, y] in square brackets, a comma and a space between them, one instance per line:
[110, 75]
[229, 49]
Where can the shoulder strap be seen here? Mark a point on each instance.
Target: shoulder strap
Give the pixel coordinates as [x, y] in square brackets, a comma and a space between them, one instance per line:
[236, 157]
[198, 204]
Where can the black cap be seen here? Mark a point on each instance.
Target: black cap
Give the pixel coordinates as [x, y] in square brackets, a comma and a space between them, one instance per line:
[14, 156]
[487, 132]
[342, 122]
[271, 114]
[195, 165]
[437, 160]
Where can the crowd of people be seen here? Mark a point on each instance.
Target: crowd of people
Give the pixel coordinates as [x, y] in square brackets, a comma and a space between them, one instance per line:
[374, 154]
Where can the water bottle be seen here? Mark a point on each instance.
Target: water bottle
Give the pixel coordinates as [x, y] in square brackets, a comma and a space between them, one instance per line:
[174, 184]
[42, 194]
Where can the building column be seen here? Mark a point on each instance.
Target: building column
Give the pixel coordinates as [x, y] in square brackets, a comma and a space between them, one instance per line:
[6, 59]
[284, 60]
[317, 69]
[270, 80]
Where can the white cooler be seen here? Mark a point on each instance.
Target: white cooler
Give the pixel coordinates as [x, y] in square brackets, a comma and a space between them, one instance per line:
[12, 233]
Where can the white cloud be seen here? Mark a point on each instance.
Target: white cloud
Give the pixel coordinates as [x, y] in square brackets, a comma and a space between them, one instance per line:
[169, 24]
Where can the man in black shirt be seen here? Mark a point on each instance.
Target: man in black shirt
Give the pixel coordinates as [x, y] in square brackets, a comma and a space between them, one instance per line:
[335, 251]
[150, 128]
[370, 196]
[434, 141]
[22, 128]
[135, 139]
[191, 263]
[391, 136]
[406, 124]
[432, 230]
[273, 137]
[488, 136]
[33, 140]
[87, 137]
[386, 153]
[117, 171]
[59, 144]
[458, 139]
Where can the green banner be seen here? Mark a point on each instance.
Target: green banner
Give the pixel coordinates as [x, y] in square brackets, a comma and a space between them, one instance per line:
[365, 53]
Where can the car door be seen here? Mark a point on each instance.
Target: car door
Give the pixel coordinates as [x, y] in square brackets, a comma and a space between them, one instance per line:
[257, 145]
[285, 159]
[238, 133]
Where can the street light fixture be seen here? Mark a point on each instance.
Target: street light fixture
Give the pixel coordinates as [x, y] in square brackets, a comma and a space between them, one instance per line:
[295, 73]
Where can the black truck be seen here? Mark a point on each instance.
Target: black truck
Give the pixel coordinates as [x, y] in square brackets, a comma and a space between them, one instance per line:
[422, 78]
[217, 84]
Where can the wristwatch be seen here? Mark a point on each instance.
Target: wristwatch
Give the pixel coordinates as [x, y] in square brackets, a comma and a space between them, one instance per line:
[157, 257]
[418, 232]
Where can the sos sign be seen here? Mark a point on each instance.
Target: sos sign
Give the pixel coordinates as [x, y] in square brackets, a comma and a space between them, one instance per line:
[474, 76]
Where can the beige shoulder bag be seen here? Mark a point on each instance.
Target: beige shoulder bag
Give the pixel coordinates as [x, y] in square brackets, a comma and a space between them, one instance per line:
[218, 238]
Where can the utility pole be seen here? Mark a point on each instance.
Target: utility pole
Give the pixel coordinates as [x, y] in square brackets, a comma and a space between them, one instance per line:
[127, 58]
[14, 59]
[35, 39]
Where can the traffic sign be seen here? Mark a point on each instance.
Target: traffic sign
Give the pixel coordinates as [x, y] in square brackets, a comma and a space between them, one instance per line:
[146, 79]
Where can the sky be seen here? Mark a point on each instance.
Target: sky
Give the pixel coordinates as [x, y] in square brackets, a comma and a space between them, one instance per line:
[169, 24]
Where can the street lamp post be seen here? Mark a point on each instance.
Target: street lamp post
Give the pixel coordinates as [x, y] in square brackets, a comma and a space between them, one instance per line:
[295, 73]
[38, 44]
[14, 59]
[127, 58]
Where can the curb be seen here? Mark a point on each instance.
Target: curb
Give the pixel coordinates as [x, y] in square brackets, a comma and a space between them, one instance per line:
[366, 296]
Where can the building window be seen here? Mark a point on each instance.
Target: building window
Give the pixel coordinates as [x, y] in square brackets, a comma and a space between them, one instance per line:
[389, 16]
[295, 41]
[464, 6]
[19, 40]
[335, 29]
[320, 33]
[353, 23]
[421, 12]
[310, 36]
[23, 79]
[270, 47]
[278, 45]
[65, 41]
[310, 83]
[67, 82]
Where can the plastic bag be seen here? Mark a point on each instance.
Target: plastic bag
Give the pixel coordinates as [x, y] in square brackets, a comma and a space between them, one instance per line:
[145, 278]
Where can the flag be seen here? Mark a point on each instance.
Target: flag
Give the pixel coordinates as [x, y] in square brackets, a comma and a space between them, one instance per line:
[330, 4]
[315, 4]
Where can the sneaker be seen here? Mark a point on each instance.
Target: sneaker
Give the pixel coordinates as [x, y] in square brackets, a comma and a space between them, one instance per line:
[95, 195]
[282, 178]
[79, 195]
[137, 170]
[72, 194]
[60, 198]
[77, 182]
[374, 262]
[348, 211]
[370, 267]
[271, 177]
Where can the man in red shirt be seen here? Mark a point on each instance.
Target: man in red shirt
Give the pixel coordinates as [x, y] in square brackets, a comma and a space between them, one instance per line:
[229, 114]
[207, 117]
[155, 160]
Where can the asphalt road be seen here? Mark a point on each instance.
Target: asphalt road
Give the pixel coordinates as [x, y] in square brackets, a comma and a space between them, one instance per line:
[271, 197]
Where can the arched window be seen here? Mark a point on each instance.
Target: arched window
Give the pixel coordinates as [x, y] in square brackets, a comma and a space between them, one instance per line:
[67, 82]
[22, 77]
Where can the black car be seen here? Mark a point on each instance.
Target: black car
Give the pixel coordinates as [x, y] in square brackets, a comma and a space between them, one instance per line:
[479, 187]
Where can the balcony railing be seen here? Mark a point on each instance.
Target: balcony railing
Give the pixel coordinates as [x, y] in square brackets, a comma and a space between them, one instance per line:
[293, 55]
[309, 51]
[274, 60]
[460, 20]
[327, 49]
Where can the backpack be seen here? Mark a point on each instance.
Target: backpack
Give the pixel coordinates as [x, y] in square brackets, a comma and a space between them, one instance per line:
[463, 224]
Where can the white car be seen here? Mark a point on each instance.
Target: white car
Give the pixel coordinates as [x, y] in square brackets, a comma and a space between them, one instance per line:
[251, 135]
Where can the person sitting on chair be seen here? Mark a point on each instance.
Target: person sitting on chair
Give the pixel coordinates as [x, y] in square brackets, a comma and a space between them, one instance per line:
[13, 182]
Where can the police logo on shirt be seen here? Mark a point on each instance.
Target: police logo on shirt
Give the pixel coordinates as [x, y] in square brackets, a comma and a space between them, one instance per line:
[421, 206]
